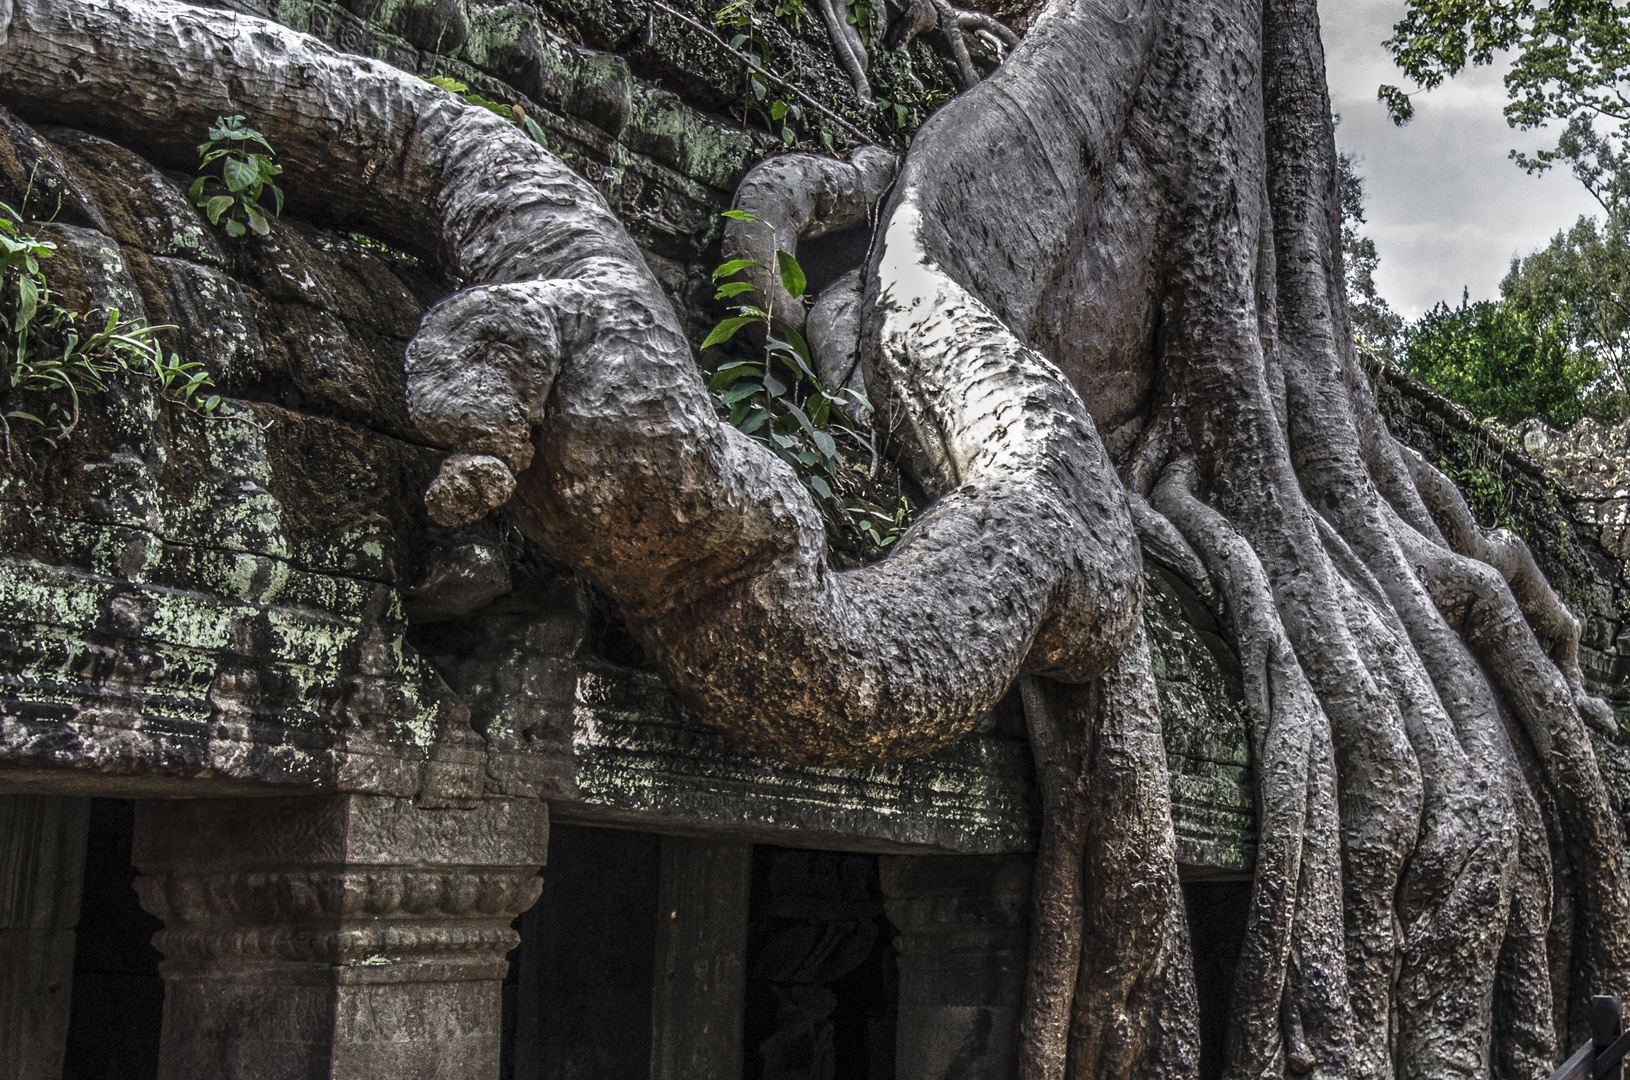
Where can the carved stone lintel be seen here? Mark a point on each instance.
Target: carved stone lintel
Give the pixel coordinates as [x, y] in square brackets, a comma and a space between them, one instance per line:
[962, 942]
[337, 936]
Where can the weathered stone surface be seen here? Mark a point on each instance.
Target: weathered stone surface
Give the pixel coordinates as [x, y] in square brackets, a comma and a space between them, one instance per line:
[211, 598]
[701, 959]
[372, 930]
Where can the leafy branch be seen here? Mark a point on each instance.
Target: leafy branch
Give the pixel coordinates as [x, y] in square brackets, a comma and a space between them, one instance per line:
[246, 174]
[777, 398]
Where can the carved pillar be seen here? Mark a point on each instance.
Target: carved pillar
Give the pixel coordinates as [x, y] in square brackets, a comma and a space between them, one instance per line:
[962, 924]
[42, 865]
[701, 962]
[349, 937]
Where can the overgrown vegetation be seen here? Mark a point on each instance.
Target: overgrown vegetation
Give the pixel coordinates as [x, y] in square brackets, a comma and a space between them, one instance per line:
[1495, 360]
[781, 116]
[776, 398]
[246, 173]
[54, 356]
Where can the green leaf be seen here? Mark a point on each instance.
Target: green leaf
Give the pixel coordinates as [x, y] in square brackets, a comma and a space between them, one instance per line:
[799, 346]
[212, 403]
[753, 421]
[740, 392]
[257, 220]
[788, 136]
[1399, 107]
[819, 486]
[536, 132]
[239, 175]
[217, 206]
[447, 83]
[792, 275]
[234, 227]
[734, 288]
[740, 215]
[778, 110]
[196, 192]
[729, 373]
[28, 301]
[734, 266]
[726, 330]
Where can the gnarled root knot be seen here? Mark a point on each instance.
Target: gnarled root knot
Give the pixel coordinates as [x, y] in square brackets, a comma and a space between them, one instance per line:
[467, 487]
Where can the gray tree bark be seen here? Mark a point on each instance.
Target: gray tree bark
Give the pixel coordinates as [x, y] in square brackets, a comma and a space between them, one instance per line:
[1131, 224]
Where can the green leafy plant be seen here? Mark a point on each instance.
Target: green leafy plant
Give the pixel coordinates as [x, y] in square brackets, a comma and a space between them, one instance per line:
[777, 398]
[246, 173]
[1499, 362]
[782, 116]
[862, 15]
[513, 113]
[792, 11]
[884, 529]
[51, 357]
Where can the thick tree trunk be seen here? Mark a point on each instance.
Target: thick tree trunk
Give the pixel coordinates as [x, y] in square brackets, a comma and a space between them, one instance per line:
[1133, 220]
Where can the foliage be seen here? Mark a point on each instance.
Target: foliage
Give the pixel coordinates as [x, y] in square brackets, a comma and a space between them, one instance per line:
[777, 398]
[901, 96]
[51, 357]
[782, 116]
[1494, 360]
[862, 15]
[513, 113]
[1570, 62]
[1375, 325]
[792, 11]
[1580, 285]
[246, 174]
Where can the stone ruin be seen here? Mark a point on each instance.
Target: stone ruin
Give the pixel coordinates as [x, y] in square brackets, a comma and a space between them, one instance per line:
[331, 744]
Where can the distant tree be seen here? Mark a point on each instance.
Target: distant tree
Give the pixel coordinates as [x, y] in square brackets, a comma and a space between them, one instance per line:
[1493, 359]
[1562, 326]
[1375, 325]
[1578, 286]
[1570, 63]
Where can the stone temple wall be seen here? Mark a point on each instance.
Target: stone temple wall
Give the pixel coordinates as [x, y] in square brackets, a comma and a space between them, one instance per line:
[1561, 493]
[247, 621]
[258, 603]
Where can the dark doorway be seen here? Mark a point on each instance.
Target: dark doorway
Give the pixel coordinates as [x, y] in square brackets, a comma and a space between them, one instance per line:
[577, 1002]
[821, 983]
[1216, 912]
[118, 997]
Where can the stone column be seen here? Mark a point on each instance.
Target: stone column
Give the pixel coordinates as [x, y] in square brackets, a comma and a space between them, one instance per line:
[700, 987]
[42, 865]
[345, 937]
[962, 927]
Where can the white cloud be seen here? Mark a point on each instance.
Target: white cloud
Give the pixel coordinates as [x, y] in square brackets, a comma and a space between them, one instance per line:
[1446, 207]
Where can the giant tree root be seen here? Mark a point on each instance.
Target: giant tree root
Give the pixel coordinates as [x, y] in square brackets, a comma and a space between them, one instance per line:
[1137, 212]
[589, 396]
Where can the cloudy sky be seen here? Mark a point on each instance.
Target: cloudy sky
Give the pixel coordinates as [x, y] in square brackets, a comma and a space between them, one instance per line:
[1446, 208]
